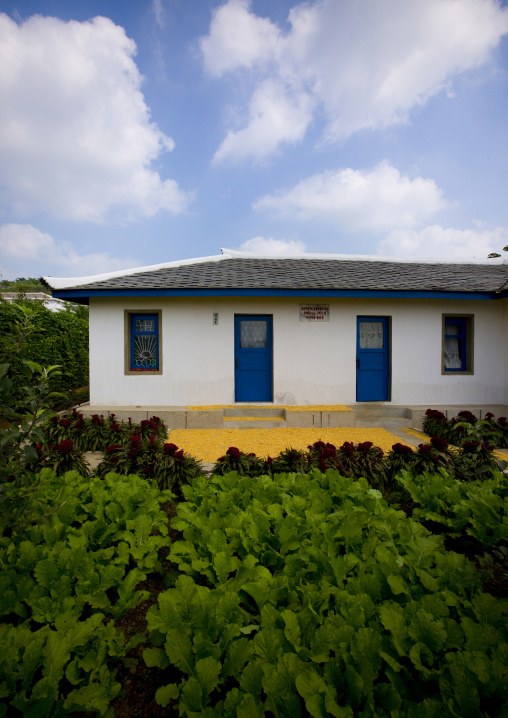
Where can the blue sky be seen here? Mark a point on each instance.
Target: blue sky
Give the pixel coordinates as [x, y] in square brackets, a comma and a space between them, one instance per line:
[146, 132]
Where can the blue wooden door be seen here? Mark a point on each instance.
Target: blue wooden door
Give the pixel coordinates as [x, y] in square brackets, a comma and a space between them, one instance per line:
[253, 357]
[372, 359]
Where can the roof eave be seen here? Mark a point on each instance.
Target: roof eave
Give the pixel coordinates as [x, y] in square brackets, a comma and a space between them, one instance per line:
[82, 296]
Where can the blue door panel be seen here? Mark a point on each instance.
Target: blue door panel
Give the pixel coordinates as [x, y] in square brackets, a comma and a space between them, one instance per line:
[255, 390]
[255, 362]
[372, 362]
[372, 359]
[253, 357]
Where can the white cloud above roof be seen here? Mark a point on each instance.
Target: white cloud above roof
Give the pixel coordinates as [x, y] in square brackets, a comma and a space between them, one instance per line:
[27, 251]
[276, 115]
[76, 137]
[360, 65]
[356, 200]
[446, 242]
[269, 246]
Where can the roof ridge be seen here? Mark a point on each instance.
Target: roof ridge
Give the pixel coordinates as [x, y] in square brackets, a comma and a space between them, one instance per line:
[239, 254]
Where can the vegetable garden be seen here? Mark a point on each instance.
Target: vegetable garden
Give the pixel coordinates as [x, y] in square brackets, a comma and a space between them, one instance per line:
[332, 582]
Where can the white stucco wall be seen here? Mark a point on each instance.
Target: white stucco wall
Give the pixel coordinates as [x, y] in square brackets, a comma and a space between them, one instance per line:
[313, 363]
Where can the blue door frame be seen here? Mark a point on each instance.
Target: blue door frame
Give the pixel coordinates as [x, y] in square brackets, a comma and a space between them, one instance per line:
[373, 359]
[253, 357]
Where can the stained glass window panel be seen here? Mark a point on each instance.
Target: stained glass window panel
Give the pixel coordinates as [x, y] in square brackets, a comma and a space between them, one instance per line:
[145, 325]
[144, 347]
[253, 334]
[371, 335]
[145, 351]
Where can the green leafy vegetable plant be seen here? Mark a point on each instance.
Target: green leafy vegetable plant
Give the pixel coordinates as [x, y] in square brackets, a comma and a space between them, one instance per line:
[64, 582]
[478, 509]
[474, 461]
[308, 595]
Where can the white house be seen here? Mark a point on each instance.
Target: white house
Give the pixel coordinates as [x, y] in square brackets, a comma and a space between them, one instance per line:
[51, 303]
[297, 330]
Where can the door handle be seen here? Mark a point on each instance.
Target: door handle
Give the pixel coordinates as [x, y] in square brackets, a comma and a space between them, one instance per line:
[237, 363]
[357, 363]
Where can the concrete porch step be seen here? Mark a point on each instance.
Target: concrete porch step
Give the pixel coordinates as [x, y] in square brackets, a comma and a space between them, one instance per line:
[376, 409]
[248, 417]
[247, 411]
[381, 415]
[254, 422]
[386, 422]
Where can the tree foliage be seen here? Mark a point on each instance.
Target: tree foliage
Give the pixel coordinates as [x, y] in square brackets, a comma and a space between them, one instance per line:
[48, 338]
[22, 285]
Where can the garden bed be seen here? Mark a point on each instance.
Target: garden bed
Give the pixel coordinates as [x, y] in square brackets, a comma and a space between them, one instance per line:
[288, 595]
[291, 585]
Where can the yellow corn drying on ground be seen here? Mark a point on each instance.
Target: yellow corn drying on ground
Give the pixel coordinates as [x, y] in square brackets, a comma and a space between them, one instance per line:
[419, 435]
[208, 444]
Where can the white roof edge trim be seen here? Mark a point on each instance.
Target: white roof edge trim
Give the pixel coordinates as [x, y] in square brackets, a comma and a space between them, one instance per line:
[362, 257]
[69, 282]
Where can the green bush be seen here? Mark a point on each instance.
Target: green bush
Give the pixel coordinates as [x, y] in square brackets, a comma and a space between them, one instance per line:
[466, 427]
[53, 338]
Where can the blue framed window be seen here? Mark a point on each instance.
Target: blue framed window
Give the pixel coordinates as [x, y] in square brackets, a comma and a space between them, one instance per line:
[457, 344]
[144, 345]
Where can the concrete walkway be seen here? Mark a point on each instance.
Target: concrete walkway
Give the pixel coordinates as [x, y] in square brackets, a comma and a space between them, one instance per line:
[240, 416]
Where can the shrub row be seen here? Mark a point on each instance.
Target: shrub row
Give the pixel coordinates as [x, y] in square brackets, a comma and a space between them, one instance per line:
[129, 448]
[474, 460]
[138, 448]
[95, 433]
[466, 427]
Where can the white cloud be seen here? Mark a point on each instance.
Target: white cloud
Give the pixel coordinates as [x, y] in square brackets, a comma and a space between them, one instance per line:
[76, 137]
[439, 242]
[362, 64]
[158, 11]
[26, 251]
[238, 38]
[263, 245]
[274, 117]
[374, 200]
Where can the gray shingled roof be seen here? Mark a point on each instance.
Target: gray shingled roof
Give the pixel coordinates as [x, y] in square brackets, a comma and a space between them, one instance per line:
[295, 273]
